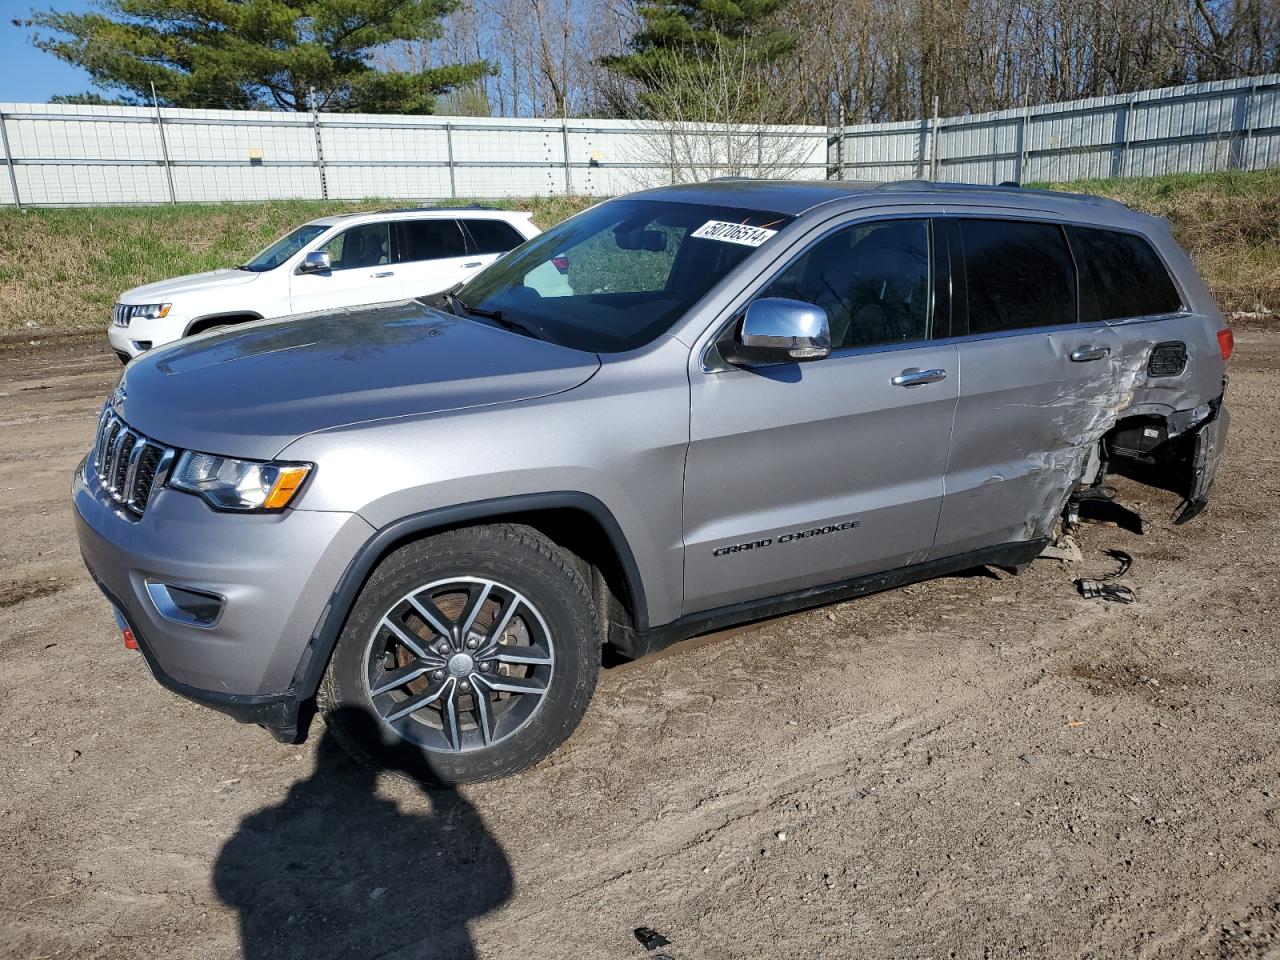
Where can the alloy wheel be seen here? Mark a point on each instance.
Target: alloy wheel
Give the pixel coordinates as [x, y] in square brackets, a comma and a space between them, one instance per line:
[459, 664]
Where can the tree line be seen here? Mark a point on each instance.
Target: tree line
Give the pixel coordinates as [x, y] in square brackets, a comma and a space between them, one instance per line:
[774, 61]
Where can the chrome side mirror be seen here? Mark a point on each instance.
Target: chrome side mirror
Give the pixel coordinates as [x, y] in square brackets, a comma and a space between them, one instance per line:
[775, 330]
[317, 261]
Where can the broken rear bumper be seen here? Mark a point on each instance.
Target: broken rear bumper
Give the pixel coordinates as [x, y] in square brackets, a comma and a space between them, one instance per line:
[1209, 445]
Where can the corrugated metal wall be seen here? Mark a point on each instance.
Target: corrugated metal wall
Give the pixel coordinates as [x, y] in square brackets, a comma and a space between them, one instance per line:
[98, 155]
[1224, 125]
[61, 155]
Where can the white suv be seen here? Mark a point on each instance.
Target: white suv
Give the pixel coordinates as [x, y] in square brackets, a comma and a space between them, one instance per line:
[333, 262]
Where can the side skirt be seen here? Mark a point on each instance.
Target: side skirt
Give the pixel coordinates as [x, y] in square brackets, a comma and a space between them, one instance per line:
[1010, 555]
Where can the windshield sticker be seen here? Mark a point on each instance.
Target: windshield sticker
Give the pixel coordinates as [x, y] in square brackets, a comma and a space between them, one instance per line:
[733, 233]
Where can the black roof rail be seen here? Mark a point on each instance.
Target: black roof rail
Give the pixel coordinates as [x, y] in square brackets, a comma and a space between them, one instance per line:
[438, 206]
[932, 186]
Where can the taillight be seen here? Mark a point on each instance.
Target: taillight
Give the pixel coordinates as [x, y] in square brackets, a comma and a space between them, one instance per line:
[561, 262]
[1226, 342]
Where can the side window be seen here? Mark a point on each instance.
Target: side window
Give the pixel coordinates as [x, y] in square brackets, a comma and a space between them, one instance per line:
[429, 240]
[1128, 277]
[367, 245]
[492, 236]
[873, 279]
[1018, 275]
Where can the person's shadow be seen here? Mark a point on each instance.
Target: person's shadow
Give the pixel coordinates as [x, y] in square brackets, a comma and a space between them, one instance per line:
[335, 871]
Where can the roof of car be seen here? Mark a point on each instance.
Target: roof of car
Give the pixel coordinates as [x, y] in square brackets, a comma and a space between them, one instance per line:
[431, 212]
[794, 197]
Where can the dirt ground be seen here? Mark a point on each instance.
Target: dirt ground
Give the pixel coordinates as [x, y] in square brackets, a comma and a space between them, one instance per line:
[980, 766]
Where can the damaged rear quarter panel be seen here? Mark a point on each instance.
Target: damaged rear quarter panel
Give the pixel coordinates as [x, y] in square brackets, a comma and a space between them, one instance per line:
[1028, 418]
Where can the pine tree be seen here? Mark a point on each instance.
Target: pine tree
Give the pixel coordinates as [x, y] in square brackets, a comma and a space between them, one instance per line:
[244, 54]
[677, 33]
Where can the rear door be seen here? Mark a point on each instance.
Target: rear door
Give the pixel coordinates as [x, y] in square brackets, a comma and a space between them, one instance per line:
[805, 474]
[487, 240]
[431, 255]
[1037, 386]
[361, 272]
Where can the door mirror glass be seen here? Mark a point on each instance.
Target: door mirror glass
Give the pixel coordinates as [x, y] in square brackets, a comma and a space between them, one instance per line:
[775, 330]
[317, 261]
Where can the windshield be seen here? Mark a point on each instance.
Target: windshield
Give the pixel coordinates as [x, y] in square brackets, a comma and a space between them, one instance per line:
[618, 275]
[284, 248]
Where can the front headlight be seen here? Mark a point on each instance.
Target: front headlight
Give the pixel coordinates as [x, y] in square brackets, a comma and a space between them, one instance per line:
[140, 311]
[229, 484]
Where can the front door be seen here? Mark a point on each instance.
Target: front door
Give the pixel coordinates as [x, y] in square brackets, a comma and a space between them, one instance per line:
[804, 474]
[1037, 387]
[361, 272]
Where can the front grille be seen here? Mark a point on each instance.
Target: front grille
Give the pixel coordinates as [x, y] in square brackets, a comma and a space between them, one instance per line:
[124, 312]
[129, 466]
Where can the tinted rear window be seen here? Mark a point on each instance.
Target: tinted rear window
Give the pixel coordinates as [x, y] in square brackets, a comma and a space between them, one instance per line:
[1123, 276]
[430, 240]
[1018, 275]
[492, 236]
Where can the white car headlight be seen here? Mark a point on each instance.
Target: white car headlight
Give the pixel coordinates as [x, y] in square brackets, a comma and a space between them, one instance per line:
[152, 311]
[126, 312]
[230, 484]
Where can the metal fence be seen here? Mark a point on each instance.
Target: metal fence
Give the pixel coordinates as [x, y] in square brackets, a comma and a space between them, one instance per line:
[1200, 128]
[67, 155]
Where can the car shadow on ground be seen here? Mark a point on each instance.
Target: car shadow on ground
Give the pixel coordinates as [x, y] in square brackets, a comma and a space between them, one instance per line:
[337, 871]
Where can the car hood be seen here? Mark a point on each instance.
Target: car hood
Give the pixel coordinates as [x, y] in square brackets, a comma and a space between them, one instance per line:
[251, 391]
[164, 291]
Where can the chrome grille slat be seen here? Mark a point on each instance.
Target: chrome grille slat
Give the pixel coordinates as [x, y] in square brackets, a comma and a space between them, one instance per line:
[131, 471]
[130, 466]
[110, 447]
[115, 462]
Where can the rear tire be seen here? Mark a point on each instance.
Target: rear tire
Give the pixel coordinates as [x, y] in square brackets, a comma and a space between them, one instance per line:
[469, 655]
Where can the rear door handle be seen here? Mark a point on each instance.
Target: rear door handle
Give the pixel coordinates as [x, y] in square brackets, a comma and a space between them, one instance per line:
[470, 266]
[914, 377]
[385, 273]
[1085, 354]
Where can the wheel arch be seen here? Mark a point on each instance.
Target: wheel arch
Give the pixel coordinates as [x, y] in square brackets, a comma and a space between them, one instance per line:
[560, 516]
[230, 318]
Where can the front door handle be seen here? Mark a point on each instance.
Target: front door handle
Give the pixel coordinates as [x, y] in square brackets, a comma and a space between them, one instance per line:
[914, 377]
[469, 266]
[1085, 354]
[385, 273]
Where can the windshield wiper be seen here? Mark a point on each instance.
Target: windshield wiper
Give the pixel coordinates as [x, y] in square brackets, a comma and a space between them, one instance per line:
[498, 317]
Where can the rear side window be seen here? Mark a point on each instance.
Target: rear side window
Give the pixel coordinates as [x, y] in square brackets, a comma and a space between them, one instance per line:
[430, 240]
[1018, 275]
[492, 236]
[1122, 275]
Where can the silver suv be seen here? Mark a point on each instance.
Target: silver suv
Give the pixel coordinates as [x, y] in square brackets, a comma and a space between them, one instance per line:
[739, 398]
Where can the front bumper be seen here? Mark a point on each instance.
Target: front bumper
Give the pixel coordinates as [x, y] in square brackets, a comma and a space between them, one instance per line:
[143, 334]
[274, 572]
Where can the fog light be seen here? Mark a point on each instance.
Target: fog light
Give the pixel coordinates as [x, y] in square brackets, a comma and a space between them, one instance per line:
[195, 608]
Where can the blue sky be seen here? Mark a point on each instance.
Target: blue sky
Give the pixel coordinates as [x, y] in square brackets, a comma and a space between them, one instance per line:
[28, 74]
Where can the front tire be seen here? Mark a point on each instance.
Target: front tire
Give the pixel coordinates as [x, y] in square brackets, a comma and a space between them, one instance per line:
[469, 655]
